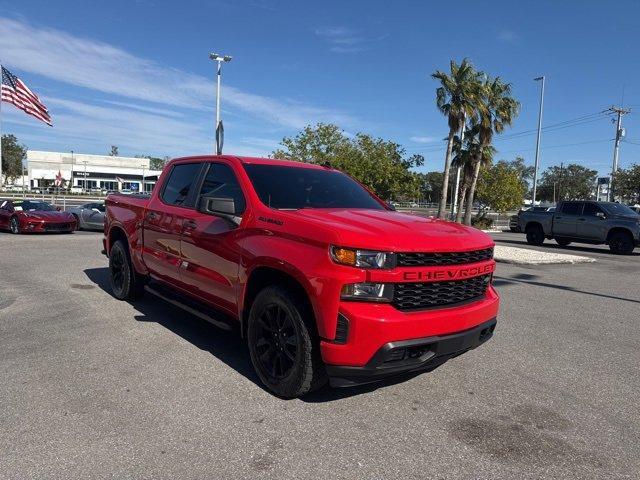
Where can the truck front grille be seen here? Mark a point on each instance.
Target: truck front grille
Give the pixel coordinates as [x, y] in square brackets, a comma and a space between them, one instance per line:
[426, 259]
[416, 296]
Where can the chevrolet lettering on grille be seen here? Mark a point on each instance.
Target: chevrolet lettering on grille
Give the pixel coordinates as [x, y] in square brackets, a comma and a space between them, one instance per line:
[456, 274]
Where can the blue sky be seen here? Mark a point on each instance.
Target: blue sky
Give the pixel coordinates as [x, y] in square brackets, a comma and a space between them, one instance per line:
[136, 73]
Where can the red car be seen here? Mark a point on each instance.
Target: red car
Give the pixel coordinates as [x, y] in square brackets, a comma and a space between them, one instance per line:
[325, 281]
[34, 216]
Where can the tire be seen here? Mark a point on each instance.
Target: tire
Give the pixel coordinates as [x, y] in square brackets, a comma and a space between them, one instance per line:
[563, 242]
[513, 229]
[535, 235]
[14, 225]
[77, 221]
[126, 284]
[621, 243]
[283, 344]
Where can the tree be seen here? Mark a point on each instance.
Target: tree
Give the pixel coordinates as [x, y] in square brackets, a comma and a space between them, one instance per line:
[524, 172]
[13, 154]
[573, 182]
[457, 99]
[155, 163]
[496, 111]
[500, 187]
[431, 186]
[114, 151]
[626, 184]
[464, 157]
[379, 164]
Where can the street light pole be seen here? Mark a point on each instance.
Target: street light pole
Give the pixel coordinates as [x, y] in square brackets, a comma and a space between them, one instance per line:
[142, 189]
[535, 172]
[84, 181]
[454, 207]
[219, 129]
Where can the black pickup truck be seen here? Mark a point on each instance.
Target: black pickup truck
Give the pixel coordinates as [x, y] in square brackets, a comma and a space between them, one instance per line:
[610, 223]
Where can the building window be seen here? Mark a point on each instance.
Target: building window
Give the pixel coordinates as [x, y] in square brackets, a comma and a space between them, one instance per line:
[109, 185]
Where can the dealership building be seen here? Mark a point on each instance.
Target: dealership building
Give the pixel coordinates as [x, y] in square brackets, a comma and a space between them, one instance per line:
[89, 171]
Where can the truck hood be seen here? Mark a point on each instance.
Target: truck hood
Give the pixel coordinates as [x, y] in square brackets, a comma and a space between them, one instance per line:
[395, 231]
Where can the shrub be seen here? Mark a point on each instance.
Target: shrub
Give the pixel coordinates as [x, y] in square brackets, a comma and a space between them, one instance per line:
[482, 223]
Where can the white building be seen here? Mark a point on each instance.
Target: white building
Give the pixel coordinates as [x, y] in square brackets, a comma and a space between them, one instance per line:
[89, 171]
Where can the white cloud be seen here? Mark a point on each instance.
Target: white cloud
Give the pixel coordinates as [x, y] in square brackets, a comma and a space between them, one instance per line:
[508, 36]
[105, 68]
[421, 139]
[343, 39]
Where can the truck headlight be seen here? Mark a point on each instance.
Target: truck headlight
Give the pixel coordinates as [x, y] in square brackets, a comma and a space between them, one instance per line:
[363, 258]
[368, 292]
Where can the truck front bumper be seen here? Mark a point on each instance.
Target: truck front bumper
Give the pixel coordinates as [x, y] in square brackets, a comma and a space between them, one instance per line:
[411, 356]
[383, 341]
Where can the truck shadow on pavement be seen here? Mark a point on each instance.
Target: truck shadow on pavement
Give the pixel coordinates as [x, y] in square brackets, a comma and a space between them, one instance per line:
[528, 279]
[228, 347]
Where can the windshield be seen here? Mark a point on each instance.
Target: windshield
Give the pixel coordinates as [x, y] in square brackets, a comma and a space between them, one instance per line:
[618, 209]
[33, 206]
[293, 188]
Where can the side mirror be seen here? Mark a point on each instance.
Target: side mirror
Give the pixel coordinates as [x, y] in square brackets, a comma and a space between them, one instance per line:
[95, 210]
[601, 215]
[391, 206]
[220, 207]
[59, 209]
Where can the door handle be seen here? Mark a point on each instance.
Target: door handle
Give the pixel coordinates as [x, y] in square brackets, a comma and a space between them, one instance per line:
[190, 225]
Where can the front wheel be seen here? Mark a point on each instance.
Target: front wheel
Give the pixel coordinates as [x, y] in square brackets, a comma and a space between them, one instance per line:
[283, 345]
[77, 221]
[621, 243]
[14, 225]
[125, 283]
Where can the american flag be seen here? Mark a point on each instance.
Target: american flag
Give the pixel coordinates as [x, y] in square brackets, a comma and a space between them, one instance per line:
[16, 92]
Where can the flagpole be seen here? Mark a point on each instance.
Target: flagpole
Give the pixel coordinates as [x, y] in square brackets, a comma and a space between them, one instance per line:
[1, 182]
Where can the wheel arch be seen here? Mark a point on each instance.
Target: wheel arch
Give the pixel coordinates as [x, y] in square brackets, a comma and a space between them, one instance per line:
[263, 276]
[533, 224]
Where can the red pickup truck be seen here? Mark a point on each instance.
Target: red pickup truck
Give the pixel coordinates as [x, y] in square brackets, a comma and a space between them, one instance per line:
[323, 279]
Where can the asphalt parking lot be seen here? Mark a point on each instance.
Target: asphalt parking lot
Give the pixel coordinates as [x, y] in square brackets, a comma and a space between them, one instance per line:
[96, 388]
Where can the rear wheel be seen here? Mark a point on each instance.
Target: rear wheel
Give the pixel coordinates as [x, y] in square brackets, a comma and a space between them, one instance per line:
[563, 242]
[125, 283]
[621, 243]
[283, 345]
[535, 235]
[14, 225]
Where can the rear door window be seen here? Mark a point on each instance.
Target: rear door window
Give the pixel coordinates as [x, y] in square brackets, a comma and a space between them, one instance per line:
[591, 209]
[180, 184]
[572, 208]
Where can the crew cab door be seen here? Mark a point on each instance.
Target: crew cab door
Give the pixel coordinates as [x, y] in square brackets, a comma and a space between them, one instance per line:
[565, 222]
[164, 218]
[592, 224]
[210, 256]
[93, 215]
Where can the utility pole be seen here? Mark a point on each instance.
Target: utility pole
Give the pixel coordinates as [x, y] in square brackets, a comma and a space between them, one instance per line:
[84, 182]
[219, 128]
[142, 190]
[619, 111]
[535, 171]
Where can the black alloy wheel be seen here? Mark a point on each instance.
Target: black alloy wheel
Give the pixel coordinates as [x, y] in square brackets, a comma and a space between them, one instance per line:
[276, 341]
[283, 343]
[125, 283]
[14, 225]
[535, 235]
[621, 243]
[77, 221]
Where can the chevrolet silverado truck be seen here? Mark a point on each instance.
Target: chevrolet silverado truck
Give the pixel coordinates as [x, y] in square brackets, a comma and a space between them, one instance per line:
[586, 222]
[321, 278]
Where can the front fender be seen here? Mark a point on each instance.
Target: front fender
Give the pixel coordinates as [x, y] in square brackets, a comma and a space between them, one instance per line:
[309, 264]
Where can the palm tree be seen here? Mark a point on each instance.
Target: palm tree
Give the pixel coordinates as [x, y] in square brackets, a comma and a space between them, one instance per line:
[465, 158]
[497, 111]
[456, 97]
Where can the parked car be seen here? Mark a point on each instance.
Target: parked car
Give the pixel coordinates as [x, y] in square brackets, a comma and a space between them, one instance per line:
[322, 279]
[514, 220]
[586, 222]
[34, 216]
[89, 216]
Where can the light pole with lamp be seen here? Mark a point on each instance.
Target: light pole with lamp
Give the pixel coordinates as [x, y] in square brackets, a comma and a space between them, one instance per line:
[219, 128]
[535, 172]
